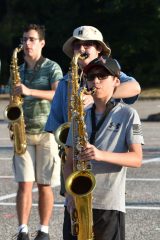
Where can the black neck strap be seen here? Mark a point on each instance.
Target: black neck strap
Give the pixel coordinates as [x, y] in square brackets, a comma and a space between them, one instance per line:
[109, 106]
[35, 69]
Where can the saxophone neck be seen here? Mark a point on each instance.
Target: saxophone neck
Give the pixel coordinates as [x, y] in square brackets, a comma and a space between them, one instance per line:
[78, 56]
[16, 51]
[14, 69]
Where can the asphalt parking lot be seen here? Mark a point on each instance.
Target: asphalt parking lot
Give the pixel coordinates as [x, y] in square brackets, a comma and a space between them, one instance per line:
[142, 186]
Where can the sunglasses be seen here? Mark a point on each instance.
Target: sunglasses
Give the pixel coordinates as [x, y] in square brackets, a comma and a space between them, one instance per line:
[85, 44]
[100, 76]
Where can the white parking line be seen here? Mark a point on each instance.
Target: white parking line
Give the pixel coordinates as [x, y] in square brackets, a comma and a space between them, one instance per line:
[5, 159]
[145, 161]
[7, 196]
[142, 208]
[3, 177]
[58, 205]
[14, 195]
[61, 205]
[127, 179]
[144, 179]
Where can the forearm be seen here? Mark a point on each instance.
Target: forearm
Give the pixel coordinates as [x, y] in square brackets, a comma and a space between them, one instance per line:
[128, 159]
[132, 158]
[45, 94]
[127, 89]
[37, 93]
[42, 94]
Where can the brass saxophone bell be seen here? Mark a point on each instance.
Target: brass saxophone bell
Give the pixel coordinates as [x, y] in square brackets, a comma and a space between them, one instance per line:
[61, 134]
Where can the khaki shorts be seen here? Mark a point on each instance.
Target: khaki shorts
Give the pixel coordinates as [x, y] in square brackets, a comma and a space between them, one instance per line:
[40, 163]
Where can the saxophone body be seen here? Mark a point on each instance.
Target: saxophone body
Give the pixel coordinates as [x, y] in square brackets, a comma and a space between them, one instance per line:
[62, 131]
[81, 183]
[14, 112]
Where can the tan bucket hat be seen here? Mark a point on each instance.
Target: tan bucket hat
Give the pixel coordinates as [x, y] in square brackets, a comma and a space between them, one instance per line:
[85, 33]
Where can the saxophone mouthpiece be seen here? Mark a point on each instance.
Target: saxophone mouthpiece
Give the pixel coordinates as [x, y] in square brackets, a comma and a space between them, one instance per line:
[89, 91]
[84, 55]
[20, 47]
[92, 90]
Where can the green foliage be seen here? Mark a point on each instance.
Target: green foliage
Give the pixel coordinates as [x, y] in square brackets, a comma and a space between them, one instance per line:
[130, 27]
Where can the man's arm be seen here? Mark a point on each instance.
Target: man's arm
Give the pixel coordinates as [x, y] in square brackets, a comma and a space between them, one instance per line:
[54, 74]
[21, 89]
[127, 89]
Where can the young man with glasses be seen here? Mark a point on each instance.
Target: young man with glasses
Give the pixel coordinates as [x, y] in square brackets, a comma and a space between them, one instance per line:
[115, 143]
[88, 40]
[39, 80]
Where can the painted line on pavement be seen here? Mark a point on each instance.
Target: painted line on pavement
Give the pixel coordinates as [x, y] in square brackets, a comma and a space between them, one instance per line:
[145, 161]
[144, 179]
[61, 205]
[127, 179]
[14, 195]
[6, 177]
[150, 160]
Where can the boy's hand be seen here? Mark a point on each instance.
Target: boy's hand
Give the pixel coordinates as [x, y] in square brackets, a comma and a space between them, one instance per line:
[90, 153]
[87, 100]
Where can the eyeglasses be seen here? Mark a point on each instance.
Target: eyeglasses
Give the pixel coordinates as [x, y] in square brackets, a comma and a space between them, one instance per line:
[85, 44]
[100, 76]
[31, 39]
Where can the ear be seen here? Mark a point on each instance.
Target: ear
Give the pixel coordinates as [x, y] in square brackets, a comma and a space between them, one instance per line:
[99, 48]
[116, 81]
[42, 43]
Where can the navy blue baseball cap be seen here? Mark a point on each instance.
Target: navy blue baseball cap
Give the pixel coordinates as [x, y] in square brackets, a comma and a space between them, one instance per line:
[110, 64]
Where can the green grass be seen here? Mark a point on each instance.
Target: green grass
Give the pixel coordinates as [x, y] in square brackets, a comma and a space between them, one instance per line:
[150, 93]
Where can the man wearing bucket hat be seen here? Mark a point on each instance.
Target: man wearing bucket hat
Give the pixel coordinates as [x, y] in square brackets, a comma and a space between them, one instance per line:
[85, 33]
[115, 143]
[89, 40]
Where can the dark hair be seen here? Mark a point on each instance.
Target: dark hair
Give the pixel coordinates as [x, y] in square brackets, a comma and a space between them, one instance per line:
[39, 28]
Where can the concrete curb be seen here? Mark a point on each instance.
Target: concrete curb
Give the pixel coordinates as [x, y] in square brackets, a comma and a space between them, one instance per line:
[4, 96]
[141, 97]
[148, 98]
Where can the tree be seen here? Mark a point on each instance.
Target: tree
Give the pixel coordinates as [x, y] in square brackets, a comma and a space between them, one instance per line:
[130, 27]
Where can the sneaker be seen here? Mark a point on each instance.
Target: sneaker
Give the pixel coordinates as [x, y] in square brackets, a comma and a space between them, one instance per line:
[21, 236]
[42, 236]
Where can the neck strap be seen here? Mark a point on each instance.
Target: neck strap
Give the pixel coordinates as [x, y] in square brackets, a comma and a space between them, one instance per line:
[109, 106]
[35, 69]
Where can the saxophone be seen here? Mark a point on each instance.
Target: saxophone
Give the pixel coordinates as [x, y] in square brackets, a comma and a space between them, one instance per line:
[13, 112]
[81, 182]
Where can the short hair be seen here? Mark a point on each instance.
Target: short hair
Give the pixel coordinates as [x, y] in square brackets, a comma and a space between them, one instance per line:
[39, 28]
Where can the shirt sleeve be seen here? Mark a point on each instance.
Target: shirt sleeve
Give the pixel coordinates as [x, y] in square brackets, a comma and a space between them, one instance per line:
[134, 130]
[56, 73]
[124, 78]
[58, 111]
[69, 142]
